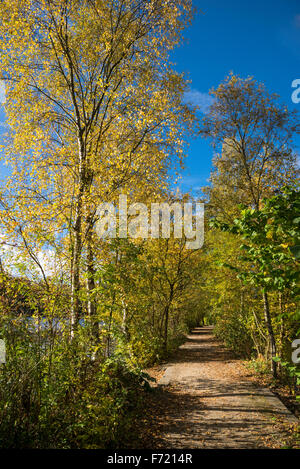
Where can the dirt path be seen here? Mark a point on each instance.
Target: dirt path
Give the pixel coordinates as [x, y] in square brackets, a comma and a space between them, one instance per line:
[206, 400]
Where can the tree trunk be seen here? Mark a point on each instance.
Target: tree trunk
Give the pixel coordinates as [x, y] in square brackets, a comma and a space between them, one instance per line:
[90, 284]
[124, 321]
[269, 326]
[76, 254]
[90, 287]
[242, 296]
[167, 309]
[75, 277]
[1, 267]
[282, 328]
[166, 329]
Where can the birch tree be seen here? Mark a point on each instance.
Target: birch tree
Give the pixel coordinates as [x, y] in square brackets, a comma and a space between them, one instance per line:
[93, 107]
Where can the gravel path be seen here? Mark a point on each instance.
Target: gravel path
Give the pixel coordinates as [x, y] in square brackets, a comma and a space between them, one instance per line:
[208, 401]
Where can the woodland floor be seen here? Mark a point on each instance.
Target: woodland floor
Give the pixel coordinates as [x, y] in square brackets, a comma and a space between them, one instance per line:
[205, 398]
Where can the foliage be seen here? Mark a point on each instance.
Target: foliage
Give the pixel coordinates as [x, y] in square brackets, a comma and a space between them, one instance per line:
[291, 375]
[95, 110]
[271, 237]
[235, 334]
[253, 134]
[54, 396]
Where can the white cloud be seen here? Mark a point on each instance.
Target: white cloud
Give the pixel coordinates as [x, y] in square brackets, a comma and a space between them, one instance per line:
[48, 261]
[10, 256]
[191, 183]
[191, 180]
[197, 98]
[2, 92]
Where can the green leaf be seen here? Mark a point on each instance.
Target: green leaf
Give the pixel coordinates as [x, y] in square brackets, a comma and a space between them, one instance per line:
[295, 250]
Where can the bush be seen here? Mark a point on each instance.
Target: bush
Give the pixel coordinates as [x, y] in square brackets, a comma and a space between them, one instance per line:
[53, 395]
[259, 365]
[233, 331]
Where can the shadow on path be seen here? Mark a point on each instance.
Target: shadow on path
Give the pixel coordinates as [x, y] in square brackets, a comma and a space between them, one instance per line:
[208, 402]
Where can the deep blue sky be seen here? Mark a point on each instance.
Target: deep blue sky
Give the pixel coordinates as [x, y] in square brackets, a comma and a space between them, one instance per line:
[249, 37]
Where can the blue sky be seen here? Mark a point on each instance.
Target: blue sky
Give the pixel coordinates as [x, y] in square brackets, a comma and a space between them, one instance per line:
[260, 38]
[249, 37]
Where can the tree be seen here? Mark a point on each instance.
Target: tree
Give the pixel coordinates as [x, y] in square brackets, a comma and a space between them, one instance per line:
[252, 133]
[271, 248]
[93, 106]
